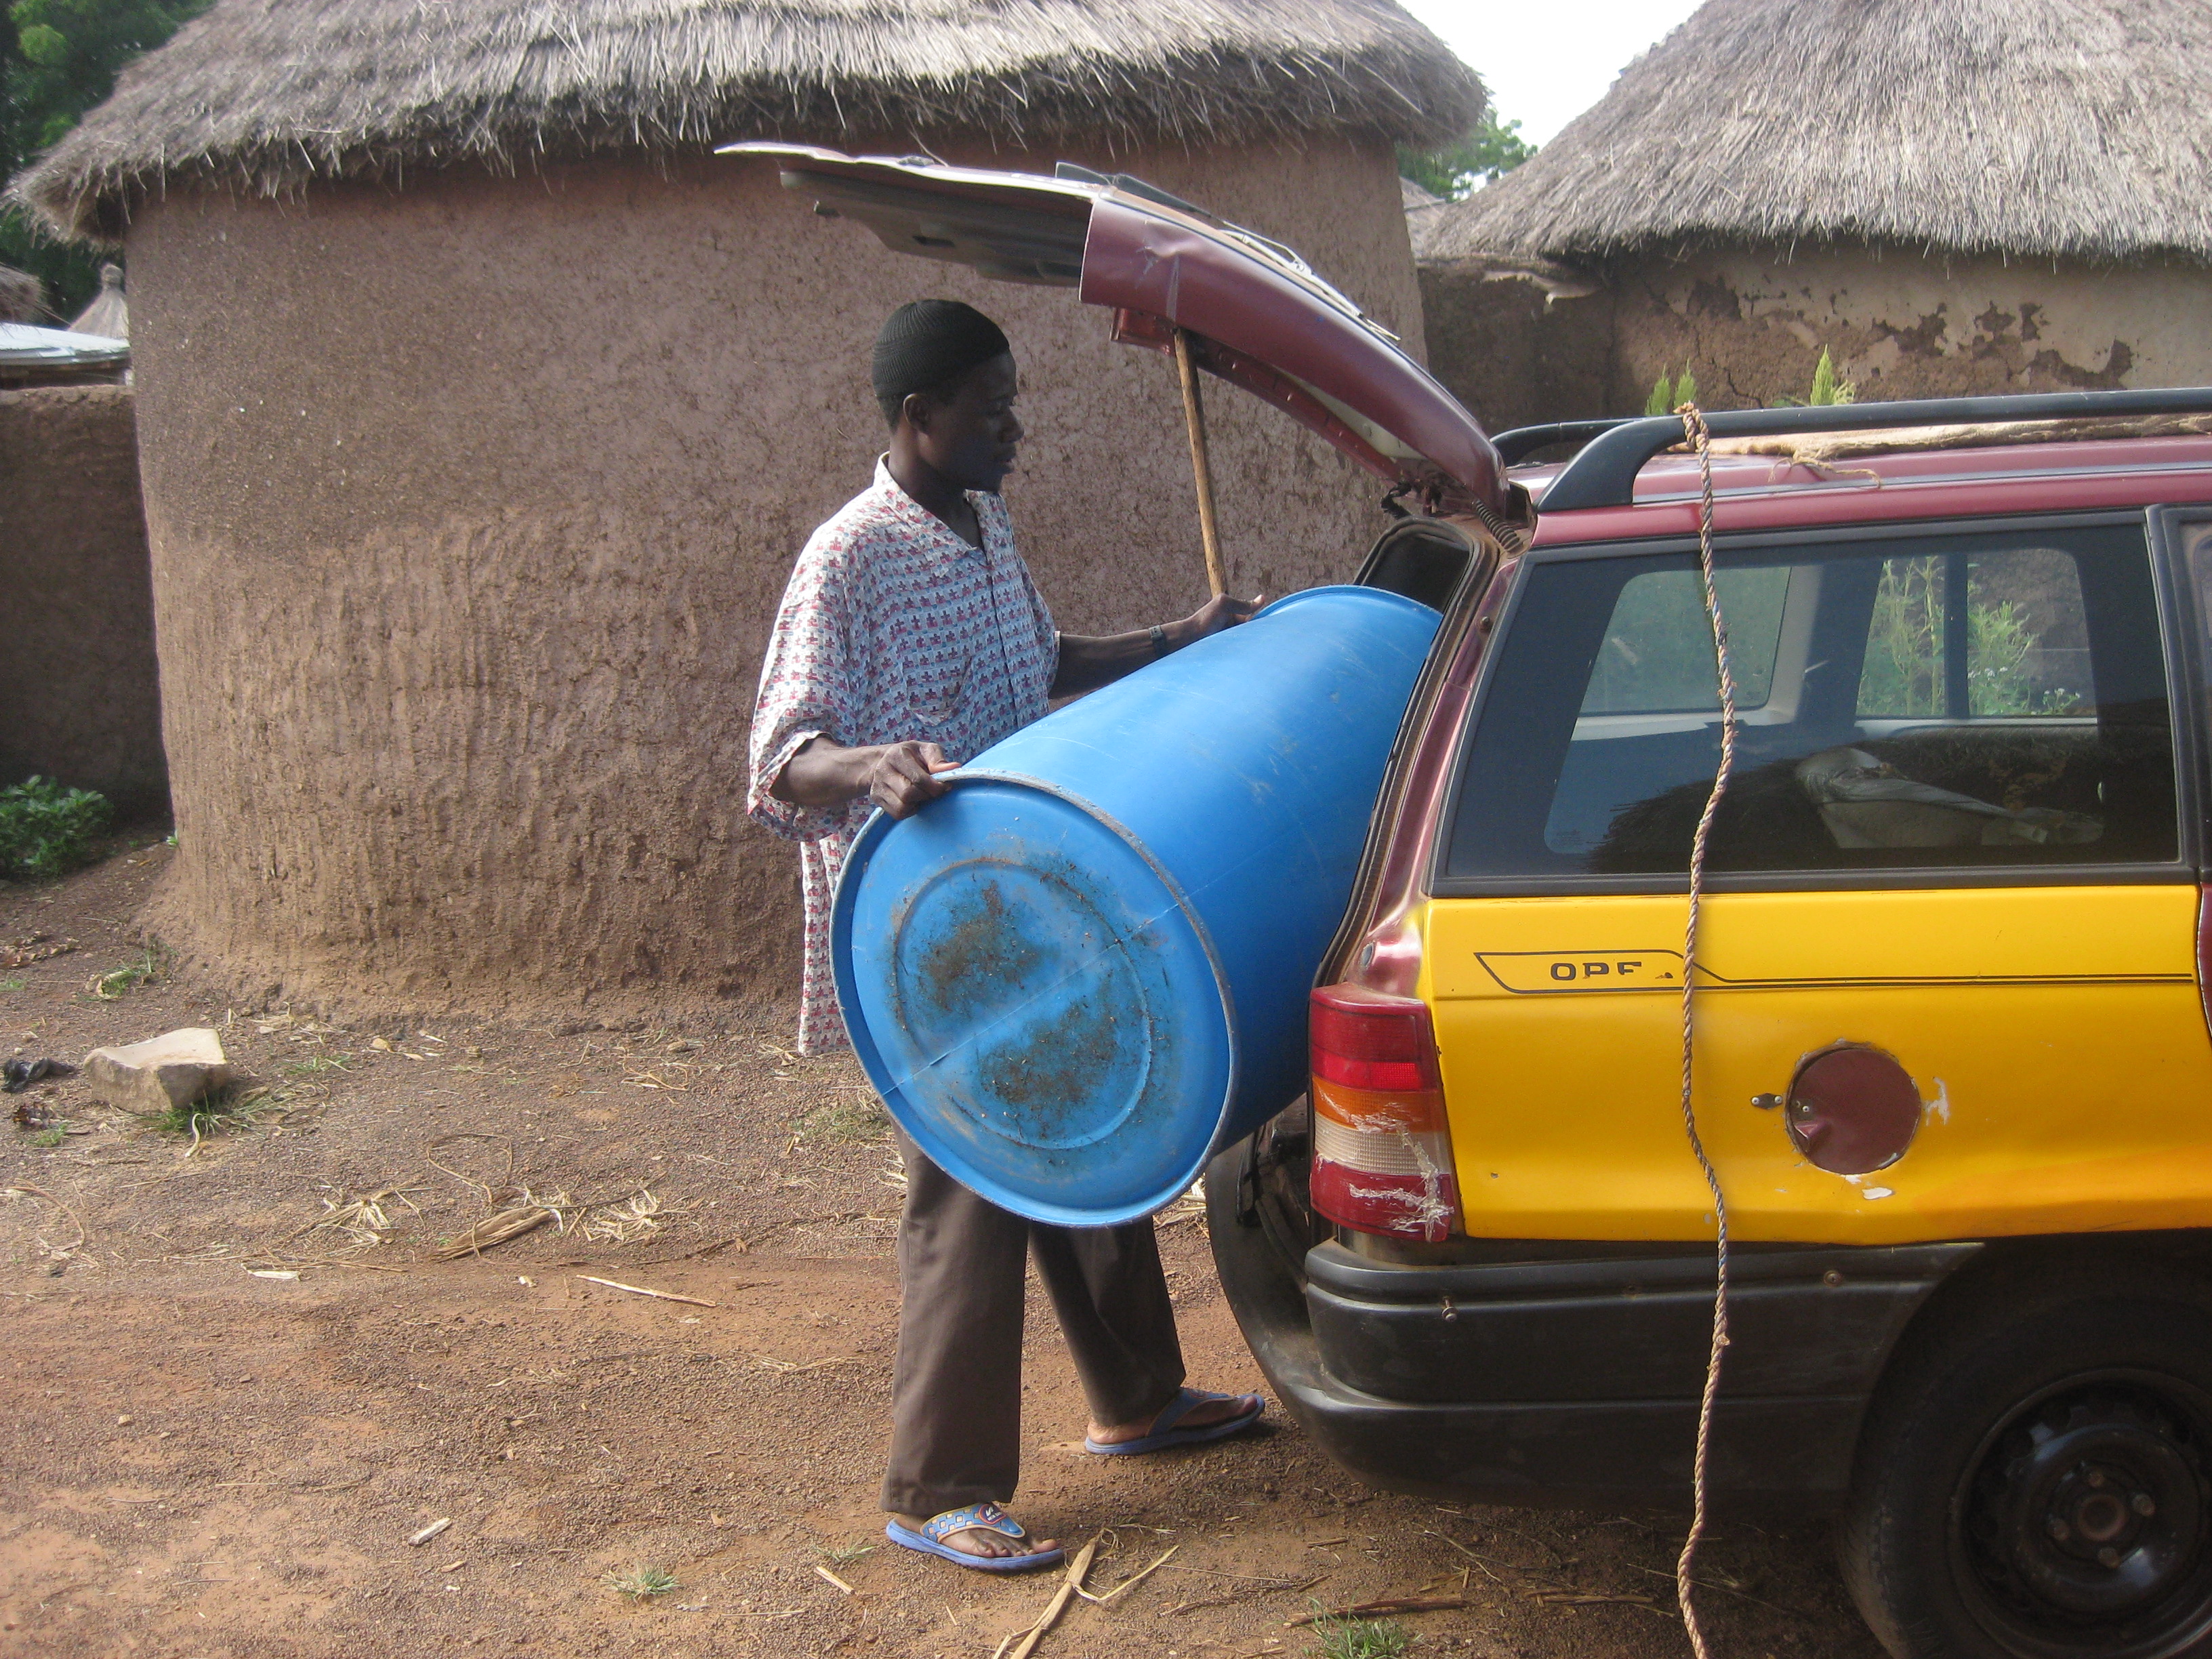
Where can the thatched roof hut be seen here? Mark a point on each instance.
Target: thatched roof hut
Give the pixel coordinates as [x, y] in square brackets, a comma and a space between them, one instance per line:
[21, 299]
[1984, 154]
[2028, 129]
[481, 412]
[109, 312]
[268, 95]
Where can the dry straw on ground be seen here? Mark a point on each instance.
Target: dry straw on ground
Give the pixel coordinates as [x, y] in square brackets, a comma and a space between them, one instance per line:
[516, 1210]
[353, 1225]
[634, 1218]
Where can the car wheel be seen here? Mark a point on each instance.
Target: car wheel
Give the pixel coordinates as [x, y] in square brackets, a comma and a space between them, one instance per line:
[2034, 1481]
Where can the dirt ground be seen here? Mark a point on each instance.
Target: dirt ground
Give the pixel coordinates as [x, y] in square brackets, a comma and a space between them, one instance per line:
[223, 1423]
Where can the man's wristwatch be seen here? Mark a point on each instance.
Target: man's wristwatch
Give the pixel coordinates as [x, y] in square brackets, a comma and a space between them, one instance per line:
[1159, 640]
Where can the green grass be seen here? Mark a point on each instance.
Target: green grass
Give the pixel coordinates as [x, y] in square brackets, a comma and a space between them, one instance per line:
[1360, 1638]
[234, 1107]
[47, 831]
[642, 1582]
[13, 984]
[114, 987]
[854, 1117]
[52, 1137]
[315, 1065]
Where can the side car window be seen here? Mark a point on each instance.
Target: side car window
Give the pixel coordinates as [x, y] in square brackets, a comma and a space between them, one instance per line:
[2019, 645]
[1657, 656]
[1983, 702]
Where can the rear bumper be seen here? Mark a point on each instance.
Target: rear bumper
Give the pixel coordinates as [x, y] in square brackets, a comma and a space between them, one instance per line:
[1566, 1382]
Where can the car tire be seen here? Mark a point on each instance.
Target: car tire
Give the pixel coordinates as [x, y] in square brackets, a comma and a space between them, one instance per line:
[2034, 1479]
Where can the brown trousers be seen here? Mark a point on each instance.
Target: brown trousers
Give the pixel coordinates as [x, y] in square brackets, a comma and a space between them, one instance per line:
[957, 1394]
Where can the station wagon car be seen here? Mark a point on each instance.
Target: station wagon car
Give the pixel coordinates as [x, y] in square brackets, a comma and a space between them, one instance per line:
[1952, 1057]
[1953, 1062]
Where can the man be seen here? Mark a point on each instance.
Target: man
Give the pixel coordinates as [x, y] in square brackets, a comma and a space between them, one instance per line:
[910, 639]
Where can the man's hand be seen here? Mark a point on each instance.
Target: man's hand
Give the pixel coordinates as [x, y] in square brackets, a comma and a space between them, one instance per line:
[902, 779]
[1087, 663]
[899, 777]
[1217, 613]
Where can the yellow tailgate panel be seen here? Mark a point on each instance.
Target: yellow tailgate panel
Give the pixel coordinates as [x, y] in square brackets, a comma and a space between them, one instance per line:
[2054, 1034]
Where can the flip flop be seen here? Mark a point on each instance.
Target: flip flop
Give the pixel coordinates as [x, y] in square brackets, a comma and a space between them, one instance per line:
[1165, 1433]
[986, 1516]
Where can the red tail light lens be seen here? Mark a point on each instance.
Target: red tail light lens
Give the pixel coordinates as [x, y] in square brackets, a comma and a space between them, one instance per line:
[1382, 1154]
[1366, 1041]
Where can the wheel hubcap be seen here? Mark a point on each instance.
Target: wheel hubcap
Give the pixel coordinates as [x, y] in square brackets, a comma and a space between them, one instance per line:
[2085, 1526]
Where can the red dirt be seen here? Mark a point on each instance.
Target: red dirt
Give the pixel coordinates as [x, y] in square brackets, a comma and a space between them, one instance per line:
[201, 1461]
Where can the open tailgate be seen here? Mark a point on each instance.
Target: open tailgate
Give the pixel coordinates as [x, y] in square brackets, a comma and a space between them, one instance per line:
[1255, 313]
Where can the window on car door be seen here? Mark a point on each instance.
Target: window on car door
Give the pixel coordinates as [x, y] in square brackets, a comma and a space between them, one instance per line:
[1990, 701]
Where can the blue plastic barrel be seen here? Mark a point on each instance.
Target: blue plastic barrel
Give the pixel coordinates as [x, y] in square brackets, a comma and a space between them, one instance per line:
[1086, 966]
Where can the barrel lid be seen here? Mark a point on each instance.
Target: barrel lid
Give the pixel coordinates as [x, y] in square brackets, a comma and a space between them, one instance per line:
[1017, 975]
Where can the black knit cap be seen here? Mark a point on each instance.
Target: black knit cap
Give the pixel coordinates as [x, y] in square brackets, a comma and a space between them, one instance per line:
[928, 343]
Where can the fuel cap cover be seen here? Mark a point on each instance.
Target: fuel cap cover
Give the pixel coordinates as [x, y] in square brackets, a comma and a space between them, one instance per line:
[1853, 1108]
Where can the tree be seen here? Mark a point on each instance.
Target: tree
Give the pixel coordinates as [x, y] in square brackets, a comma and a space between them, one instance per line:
[1493, 149]
[58, 58]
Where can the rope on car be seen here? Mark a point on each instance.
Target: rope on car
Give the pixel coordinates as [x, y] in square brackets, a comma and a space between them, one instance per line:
[1694, 427]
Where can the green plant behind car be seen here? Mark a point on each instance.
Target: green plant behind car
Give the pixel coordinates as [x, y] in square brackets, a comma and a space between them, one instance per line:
[1826, 387]
[46, 830]
[1669, 393]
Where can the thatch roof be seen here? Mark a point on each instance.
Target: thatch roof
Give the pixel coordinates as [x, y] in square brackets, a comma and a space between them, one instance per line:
[109, 314]
[267, 94]
[2040, 128]
[20, 299]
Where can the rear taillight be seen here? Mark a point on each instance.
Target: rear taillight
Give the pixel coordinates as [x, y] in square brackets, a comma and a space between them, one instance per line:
[1382, 1149]
[2205, 951]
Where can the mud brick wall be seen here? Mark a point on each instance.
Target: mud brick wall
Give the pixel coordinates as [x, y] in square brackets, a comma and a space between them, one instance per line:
[472, 501]
[80, 696]
[1750, 323]
[1514, 349]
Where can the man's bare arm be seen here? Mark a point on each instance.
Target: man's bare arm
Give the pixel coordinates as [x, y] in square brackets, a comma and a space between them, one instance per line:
[899, 777]
[1088, 661]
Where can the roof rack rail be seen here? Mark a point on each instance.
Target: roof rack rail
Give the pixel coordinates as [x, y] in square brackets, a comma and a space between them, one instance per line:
[1523, 441]
[1604, 473]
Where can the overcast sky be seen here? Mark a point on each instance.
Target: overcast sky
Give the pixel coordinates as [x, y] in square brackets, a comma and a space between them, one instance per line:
[1547, 63]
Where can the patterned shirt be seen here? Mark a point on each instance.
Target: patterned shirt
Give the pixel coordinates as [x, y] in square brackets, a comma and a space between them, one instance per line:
[892, 629]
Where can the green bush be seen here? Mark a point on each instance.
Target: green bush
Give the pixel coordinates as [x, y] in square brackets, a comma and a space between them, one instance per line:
[48, 830]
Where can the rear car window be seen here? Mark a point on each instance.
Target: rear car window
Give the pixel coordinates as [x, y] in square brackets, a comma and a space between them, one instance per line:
[1981, 701]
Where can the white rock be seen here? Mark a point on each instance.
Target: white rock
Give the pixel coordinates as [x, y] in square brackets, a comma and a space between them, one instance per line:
[173, 1069]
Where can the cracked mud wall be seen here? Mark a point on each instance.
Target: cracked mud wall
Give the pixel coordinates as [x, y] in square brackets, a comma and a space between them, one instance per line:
[1515, 347]
[471, 503]
[1521, 347]
[80, 696]
[1751, 325]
